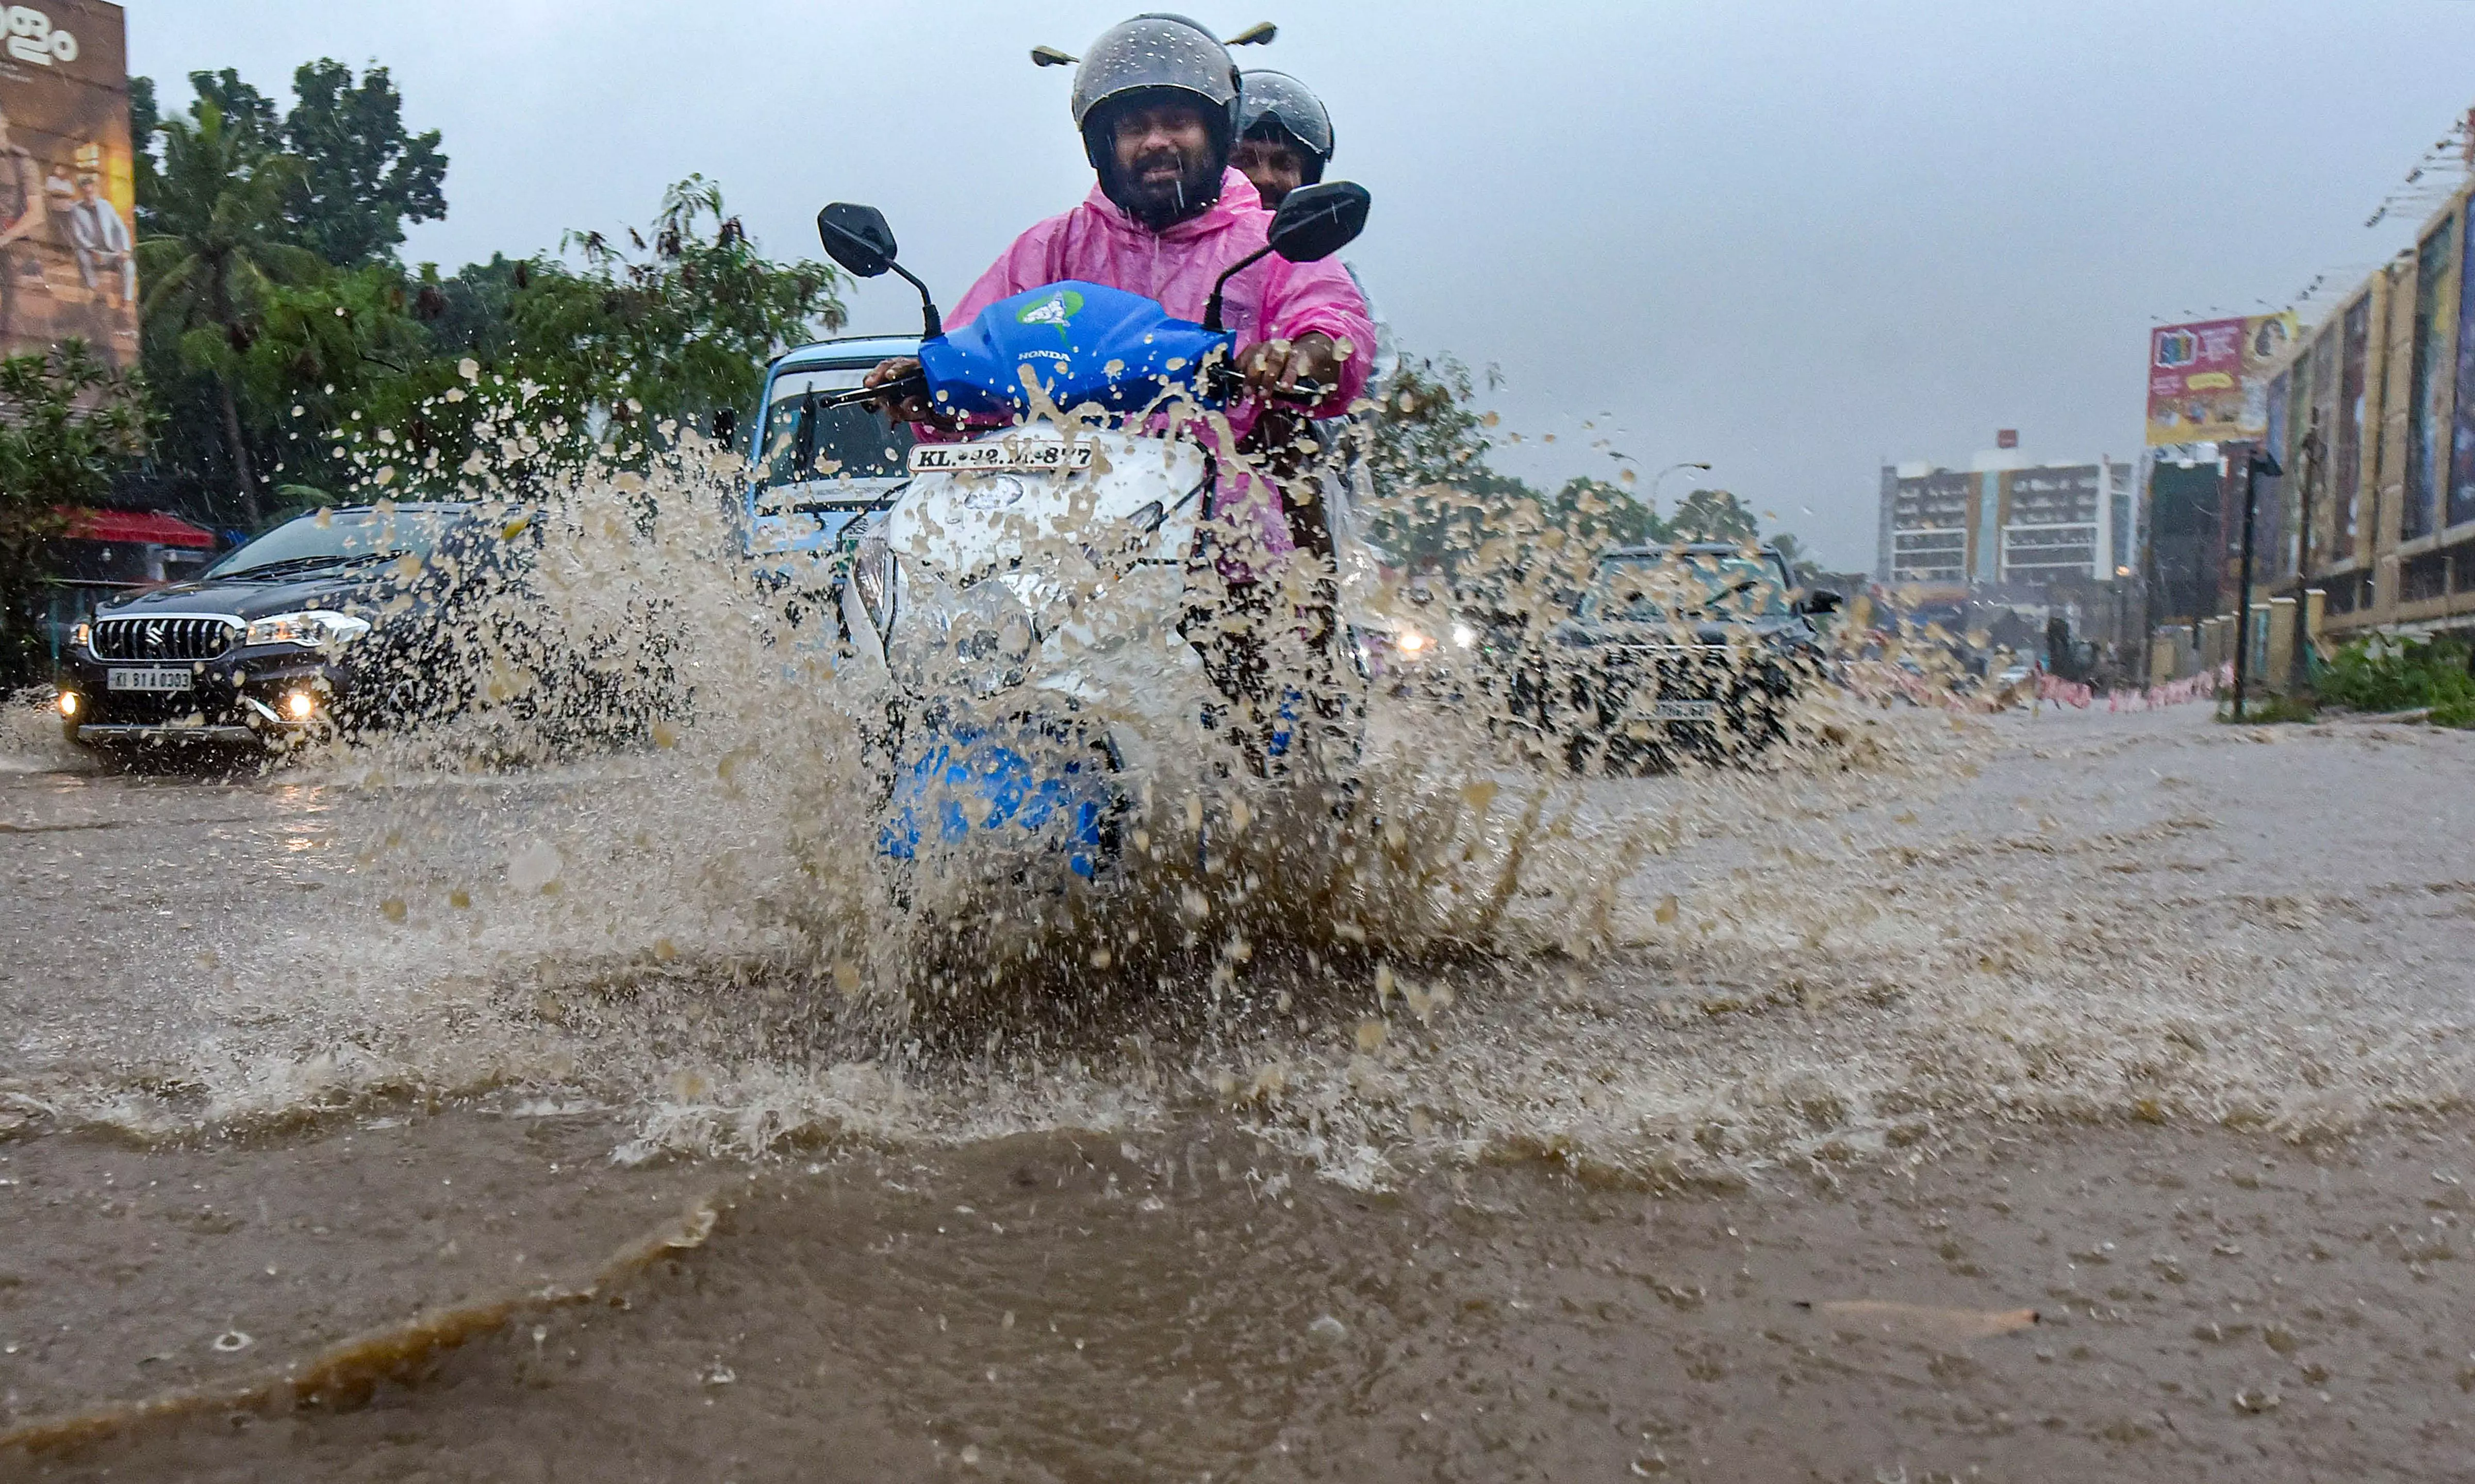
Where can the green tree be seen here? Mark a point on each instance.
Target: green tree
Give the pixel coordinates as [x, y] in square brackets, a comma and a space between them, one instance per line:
[218, 240]
[68, 422]
[1714, 515]
[1604, 514]
[363, 176]
[247, 114]
[1436, 498]
[144, 118]
[342, 344]
[608, 353]
[1801, 564]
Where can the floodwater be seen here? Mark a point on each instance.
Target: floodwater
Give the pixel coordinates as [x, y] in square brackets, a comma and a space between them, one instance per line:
[2062, 1096]
[2156, 1027]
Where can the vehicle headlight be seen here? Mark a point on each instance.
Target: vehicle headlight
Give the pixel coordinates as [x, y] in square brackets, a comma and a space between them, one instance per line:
[974, 641]
[1411, 642]
[81, 637]
[316, 628]
[1463, 635]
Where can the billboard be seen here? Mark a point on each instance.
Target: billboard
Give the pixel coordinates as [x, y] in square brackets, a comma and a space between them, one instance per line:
[2207, 381]
[68, 193]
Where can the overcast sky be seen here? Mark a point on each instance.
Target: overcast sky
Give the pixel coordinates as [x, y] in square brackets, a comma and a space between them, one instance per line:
[1793, 239]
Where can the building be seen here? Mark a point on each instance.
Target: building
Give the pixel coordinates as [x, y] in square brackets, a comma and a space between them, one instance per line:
[66, 178]
[2006, 523]
[2373, 416]
[2194, 531]
[105, 554]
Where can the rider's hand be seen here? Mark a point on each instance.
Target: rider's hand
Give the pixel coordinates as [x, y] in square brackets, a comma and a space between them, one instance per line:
[914, 409]
[1282, 364]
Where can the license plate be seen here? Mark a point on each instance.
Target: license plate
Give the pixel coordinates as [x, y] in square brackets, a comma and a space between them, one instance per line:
[154, 677]
[1685, 711]
[1004, 456]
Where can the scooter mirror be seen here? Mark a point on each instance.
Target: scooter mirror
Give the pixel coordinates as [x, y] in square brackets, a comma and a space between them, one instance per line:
[1316, 221]
[857, 237]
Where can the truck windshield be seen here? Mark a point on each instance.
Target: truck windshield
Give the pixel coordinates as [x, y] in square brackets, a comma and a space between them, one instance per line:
[813, 448]
[1655, 587]
[328, 537]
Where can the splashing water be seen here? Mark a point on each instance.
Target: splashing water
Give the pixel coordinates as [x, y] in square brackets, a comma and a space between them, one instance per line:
[640, 871]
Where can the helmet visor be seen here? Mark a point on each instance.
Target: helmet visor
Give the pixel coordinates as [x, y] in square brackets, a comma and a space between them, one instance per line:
[1278, 99]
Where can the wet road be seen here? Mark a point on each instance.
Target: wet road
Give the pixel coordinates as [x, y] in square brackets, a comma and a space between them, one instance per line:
[2157, 1028]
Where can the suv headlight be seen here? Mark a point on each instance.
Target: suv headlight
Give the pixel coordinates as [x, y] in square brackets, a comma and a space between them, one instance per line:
[317, 628]
[81, 637]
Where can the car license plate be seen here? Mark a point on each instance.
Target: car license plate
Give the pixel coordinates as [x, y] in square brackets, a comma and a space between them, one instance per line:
[1002, 455]
[153, 678]
[1685, 711]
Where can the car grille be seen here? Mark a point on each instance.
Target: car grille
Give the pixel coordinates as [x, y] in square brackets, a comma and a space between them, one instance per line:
[165, 639]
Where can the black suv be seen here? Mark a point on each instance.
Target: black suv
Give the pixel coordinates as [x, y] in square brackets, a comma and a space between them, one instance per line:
[332, 621]
[1687, 650]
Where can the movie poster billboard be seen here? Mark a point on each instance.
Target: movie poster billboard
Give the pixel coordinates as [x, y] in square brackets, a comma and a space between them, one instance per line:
[2207, 381]
[68, 193]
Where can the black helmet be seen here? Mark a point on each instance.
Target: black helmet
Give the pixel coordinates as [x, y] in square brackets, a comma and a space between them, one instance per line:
[1275, 99]
[1155, 52]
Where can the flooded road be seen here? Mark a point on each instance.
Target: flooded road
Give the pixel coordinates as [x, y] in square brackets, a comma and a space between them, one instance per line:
[1729, 1132]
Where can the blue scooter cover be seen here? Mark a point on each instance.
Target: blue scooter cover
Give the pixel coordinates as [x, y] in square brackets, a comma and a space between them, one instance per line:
[1025, 794]
[1081, 342]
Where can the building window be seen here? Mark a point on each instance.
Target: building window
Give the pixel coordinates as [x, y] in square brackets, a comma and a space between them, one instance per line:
[2461, 503]
[2427, 419]
[2354, 352]
[2424, 578]
[2461, 568]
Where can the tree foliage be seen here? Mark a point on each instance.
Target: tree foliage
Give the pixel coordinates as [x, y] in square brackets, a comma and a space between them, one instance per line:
[283, 336]
[1714, 515]
[364, 175]
[1440, 503]
[217, 241]
[67, 423]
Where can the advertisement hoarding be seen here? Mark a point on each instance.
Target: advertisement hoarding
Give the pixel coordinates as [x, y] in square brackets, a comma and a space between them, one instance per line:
[2207, 381]
[66, 190]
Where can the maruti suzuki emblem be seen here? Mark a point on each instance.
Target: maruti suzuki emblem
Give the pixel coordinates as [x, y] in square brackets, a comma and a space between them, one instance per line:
[155, 637]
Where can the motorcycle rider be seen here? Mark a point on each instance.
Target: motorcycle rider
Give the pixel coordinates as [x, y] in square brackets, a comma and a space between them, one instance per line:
[1156, 99]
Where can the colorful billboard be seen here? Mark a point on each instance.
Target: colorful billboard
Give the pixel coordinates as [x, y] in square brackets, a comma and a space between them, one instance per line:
[2208, 382]
[66, 191]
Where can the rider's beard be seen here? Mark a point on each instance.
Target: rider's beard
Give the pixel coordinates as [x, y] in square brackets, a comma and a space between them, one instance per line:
[1161, 204]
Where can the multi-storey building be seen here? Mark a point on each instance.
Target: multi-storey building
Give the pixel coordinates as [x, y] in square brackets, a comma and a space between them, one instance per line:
[2373, 418]
[2007, 522]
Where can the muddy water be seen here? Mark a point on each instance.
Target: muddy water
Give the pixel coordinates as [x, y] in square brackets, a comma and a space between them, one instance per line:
[1929, 1018]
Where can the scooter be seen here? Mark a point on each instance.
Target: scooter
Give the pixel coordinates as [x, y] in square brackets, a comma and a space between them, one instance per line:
[1029, 592]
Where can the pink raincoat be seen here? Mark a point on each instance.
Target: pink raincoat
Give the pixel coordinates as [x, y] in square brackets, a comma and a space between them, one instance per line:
[1274, 299]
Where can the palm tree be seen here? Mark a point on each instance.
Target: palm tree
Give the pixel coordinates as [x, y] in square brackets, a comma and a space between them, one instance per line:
[216, 243]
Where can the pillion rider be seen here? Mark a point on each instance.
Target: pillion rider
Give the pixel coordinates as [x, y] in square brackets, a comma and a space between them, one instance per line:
[1283, 134]
[1156, 99]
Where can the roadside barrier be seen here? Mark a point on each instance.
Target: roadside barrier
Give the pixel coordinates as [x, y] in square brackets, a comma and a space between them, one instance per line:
[2174, 693]
[2066, 692]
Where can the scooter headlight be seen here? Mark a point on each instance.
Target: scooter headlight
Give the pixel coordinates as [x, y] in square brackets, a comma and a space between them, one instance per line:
[975, 641]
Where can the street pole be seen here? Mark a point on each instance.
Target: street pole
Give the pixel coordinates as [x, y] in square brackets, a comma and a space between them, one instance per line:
[2260, 462]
